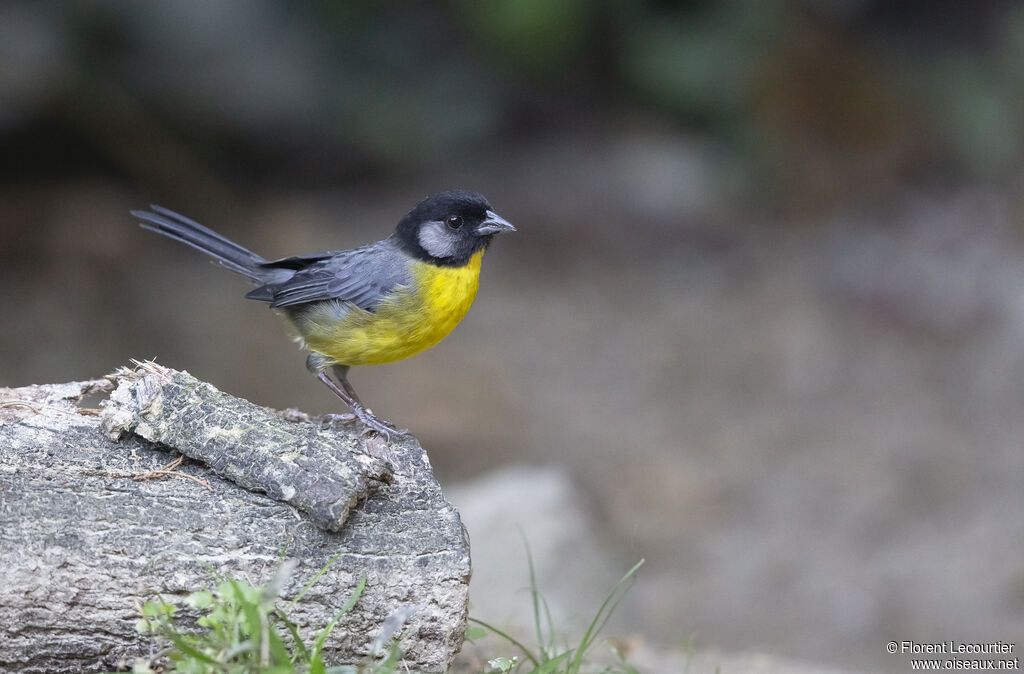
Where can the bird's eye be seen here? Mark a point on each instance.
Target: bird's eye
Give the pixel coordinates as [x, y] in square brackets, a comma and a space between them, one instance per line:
[455, 221]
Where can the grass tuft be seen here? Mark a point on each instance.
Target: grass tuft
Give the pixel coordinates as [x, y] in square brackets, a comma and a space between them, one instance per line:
[242, 630]
[550, 656]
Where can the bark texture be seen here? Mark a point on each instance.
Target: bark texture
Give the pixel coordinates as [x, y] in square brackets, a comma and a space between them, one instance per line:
[91, 526]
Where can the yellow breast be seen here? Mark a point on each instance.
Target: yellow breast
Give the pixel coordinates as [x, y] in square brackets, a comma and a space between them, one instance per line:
[413, 319]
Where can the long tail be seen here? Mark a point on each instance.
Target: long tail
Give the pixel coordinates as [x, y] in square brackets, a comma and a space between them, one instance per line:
[227, 253]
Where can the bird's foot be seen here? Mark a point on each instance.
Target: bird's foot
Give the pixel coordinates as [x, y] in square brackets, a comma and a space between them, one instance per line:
[330, 420]
[345, 391]
[380, 426]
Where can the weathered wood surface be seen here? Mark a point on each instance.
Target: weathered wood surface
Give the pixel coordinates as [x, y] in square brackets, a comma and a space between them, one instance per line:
[82, 542]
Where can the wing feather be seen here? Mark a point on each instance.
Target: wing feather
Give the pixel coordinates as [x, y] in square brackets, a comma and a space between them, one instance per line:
[363, 276]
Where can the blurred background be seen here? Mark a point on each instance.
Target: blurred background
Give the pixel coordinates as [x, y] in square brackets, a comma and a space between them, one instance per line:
[762, 322]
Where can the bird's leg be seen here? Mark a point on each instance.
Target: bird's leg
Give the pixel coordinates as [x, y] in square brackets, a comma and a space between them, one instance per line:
[316, 364]
[341, 372]
[360, 410]
[357, 407]
[348, 394]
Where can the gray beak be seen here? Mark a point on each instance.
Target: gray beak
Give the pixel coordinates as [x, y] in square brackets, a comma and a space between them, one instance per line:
[494, 224]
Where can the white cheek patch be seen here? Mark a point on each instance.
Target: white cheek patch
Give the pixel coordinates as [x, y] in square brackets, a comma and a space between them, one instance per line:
[437, 240]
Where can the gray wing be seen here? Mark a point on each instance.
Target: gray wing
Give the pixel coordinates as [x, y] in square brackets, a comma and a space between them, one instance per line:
[362, 276]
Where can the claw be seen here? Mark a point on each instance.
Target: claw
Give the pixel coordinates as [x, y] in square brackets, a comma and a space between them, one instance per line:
[380, 426]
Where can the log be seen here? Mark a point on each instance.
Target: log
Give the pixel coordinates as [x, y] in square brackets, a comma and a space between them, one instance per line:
[94, 521]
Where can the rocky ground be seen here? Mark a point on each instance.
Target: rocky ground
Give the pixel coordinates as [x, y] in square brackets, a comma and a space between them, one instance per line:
[810, 430]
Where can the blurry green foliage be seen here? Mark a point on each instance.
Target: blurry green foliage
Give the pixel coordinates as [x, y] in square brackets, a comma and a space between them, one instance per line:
[331, 87]
[537, 37]
[977, 99]
[700, 64]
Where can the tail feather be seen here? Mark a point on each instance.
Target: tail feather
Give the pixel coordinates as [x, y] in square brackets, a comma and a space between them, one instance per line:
[225, 252]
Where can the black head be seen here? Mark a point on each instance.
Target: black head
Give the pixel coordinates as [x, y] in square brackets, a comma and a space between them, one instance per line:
[448, 227]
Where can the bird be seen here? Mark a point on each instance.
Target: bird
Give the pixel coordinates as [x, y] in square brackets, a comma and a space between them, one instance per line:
[370, 305]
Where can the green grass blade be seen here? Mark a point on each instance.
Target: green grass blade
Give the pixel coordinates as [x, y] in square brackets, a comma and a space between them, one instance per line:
[301, 652]
[326, 631]
[604, 613]
[534, 660]
[312, 581]
[545, 645]
[186, 648]
[250, 611]
[553, 664]
[278, 651]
